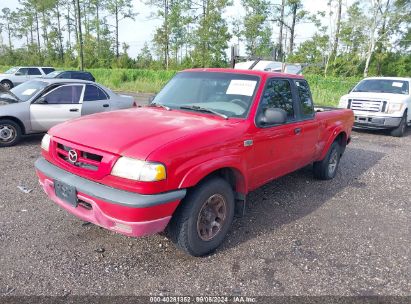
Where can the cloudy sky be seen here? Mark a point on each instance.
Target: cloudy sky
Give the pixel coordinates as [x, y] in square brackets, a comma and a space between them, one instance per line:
[136, 33]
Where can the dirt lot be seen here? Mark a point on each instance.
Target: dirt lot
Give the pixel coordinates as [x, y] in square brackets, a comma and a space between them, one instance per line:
[349, 236]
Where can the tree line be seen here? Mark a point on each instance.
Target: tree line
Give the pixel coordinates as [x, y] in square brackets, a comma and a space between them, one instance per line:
[367, 37]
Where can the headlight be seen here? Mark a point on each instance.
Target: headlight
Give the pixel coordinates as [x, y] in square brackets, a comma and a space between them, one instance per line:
[139, 170]
[394, 107]
[343, 103]
[45, 142]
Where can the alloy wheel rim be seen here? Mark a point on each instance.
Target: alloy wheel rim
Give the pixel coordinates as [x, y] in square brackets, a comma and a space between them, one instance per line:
[332, 166]
[6, 85]
[7, 133]
[212, 217]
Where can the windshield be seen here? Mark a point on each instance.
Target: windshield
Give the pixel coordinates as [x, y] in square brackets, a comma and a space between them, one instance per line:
[383, 86]
[11, 71]
[224, 93]
[28, 89]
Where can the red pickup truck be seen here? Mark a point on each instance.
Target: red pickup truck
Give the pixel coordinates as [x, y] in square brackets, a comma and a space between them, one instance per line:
[186, 162]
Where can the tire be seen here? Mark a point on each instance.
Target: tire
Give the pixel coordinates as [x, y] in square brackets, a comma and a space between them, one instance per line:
[400, 130]
[10, 133]
[328, 167]
[7, 84]
[188, 227]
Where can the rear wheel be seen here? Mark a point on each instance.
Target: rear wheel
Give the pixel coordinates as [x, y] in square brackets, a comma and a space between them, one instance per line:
[203, 219]
[400, 131]
[10, 133]
[328, 167]
[7, 84]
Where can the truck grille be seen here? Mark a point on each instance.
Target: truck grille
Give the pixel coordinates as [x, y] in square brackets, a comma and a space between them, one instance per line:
[78, 158]
[367, 105]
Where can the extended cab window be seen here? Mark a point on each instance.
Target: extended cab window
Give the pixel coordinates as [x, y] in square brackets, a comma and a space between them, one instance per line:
[306, 101]
[94, 93]
[278, 94]
[65, 95]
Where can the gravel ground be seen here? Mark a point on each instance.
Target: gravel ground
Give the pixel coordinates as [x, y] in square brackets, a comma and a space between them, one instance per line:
[349, 236]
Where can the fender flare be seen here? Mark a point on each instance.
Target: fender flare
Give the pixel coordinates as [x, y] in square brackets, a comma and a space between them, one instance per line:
[334, 134]
[201, 171]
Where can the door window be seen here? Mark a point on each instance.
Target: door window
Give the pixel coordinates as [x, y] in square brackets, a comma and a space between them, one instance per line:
[34, 72]
[94, 93]
[278, 94]
[65, 95]
[306, 101]
[77, 75]
[22, 72]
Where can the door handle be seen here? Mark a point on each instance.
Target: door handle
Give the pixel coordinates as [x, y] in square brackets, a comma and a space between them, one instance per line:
[297, 131]
[73, 110]
[106, 105]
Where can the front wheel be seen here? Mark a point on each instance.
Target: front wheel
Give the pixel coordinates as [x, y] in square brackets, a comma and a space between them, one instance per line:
[10, 133]
[203, 219]
[328, 167]
[400, 130]
[7, 84]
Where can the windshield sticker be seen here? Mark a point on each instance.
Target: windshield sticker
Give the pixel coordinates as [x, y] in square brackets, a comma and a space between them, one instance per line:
[397, 84]
[28, 92]
[241, 87]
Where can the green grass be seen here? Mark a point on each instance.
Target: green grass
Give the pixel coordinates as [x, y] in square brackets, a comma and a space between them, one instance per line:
[326, 91]
[133, 80]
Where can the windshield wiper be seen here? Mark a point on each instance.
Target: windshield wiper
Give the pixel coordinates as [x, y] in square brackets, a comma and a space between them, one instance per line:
[159, 105]
[201, 109]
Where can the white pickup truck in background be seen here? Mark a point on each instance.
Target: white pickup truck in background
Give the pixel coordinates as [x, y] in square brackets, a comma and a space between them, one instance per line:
[381, 103]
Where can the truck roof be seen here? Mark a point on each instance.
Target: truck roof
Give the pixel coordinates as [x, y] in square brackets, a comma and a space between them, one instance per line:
[246, 72]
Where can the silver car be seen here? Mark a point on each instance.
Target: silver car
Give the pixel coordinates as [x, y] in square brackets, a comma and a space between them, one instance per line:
[37, 105]
[17, 75]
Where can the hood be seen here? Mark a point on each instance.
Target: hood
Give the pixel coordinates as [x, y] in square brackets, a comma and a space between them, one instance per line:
[6, 101]
[377, 96]
[137, 132]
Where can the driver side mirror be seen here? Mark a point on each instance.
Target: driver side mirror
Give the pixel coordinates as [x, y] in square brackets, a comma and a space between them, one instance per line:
[272, 116]
[18, 74]
[41, 100]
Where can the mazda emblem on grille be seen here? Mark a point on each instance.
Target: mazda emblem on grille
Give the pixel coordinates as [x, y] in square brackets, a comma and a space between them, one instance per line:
[72, 156]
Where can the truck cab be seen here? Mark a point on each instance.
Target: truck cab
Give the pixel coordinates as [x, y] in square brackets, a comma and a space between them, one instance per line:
[380, 103]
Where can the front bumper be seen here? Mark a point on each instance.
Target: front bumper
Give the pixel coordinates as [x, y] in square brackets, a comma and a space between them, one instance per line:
[128, 213]
[376, 122]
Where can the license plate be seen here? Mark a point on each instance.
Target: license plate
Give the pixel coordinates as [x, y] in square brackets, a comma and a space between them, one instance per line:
[66, 193]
